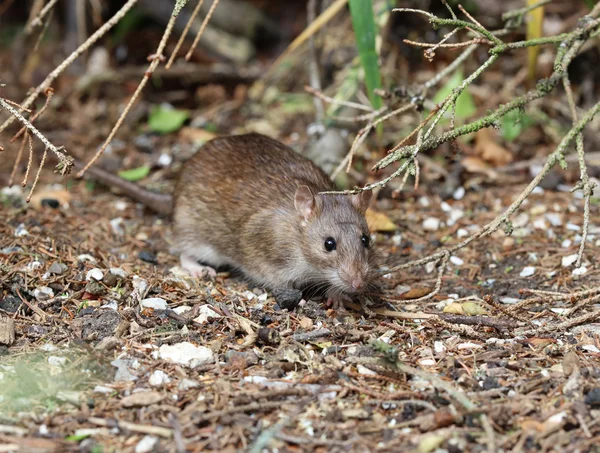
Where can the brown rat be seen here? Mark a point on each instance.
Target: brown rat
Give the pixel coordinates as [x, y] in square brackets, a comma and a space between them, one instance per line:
[251, 202]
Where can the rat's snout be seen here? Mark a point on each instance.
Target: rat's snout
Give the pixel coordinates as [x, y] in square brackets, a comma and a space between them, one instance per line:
[356, 279]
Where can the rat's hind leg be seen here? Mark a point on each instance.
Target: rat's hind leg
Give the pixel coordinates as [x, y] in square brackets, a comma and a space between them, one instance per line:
[196, 270]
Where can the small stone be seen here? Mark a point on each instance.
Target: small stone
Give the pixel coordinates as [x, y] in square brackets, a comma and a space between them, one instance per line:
[592, 398]
[148, 257]
[95, 288]
[85, 257]
[116, 225]
[569, 260]
[155, 303]
[57, 361]
[117, 271]
[566, 243]
[43, 293]
[527, 271]
[57, 268]
[540, 224]
[573, 227]
[459, 193]
[538, 209]
[462, 233]
[147, 444]
[120, 205]
[94, 274]
[164, 160]
[431, 224]
[554, 219]
[429, 267]
[187, 384]
[101, 324]
[10, 304]
[579, 271]
[186, 353]
[21, 231]
[159, 378]
[424, 201]
[182, 309]
[456, 260]
[402, 289]
[509, 300]
[206, 312]
[287, 298]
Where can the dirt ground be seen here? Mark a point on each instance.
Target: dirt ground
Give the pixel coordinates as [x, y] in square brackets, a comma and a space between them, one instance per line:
[107, 345]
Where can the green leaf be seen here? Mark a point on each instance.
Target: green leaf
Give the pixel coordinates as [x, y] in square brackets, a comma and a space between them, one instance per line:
[514, 123]
[135, 174]
[77, 437]
[365, 30]
[465, 106]
[590, 3]
[165, 120]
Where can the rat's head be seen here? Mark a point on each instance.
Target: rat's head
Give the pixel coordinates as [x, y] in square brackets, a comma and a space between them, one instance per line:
[336, 239]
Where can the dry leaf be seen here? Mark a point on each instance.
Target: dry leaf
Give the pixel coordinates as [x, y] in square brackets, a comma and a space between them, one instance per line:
[193, 135]
[379, 222]
[141, 399]
[415, 293]
[486, 146]
[465, 308]
[477, 165]
[532, 425]
[306, 323]
[50, 197]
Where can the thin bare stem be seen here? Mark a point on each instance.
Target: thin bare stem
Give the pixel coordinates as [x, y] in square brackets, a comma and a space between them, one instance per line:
[154, 62]
[37, 175]
[37, 21]
[202, 27]
[29, 162]
[17, 160]
[184, 34]
[334, 101]
[60, 68]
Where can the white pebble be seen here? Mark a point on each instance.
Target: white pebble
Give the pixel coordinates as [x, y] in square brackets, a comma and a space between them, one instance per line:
[579, 271]
[439, 347]
[573, 227]
[465, 346]
[566, 243]
[57, 361]
[445, 206]
[527, 271]
[118, 272]
[569, 260]
[158, 378]
[182, 309]
[431, 224]
[156, 303]
[540, 224]
[424, 201]
[206, 312]
[456, 260]
[397, 239]
[43, 293]
[459, 193]
[554, 218]
[116, 225]
[429, 267]
[147, 444]
[427, 362]
[462, 233]
[509, 300]
[120, 205]
[186, 353]
[164, 160]
[86, 257]
[94, 274]
[21, 231]
[537, 190]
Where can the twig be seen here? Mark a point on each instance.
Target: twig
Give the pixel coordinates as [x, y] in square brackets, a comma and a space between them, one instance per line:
[202, 27]
[334, 101]
[37, 175]
[37, 21]
[561, 327]
[65, 160]
[135, 427]
[60, 68]
[17, 160]
[154, 62]
[522, 11]
[184, 33]
[313, 64]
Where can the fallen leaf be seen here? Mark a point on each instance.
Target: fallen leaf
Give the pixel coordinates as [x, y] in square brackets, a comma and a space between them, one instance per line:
[487, 147]
[415, 293]
[135, 174]
[379, 222]
[478, 166]
[194, 135]
[465, 308]
[165, 120]
[50, 197]
[532, 425]
[141, 399]
[306, 322]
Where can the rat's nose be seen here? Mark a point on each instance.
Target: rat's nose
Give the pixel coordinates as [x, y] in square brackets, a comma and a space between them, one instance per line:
[357, 283]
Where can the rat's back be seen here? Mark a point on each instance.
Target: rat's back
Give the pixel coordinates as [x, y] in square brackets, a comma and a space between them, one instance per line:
[227, 182]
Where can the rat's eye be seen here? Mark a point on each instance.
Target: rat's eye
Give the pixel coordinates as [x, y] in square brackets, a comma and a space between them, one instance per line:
[366, 240]
[330, 244]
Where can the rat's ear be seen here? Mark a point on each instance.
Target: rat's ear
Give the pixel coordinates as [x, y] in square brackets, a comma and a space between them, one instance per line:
[304, 201]
[361, 200]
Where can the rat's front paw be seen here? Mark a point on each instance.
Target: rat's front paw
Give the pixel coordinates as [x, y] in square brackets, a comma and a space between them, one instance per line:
[337, 301]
